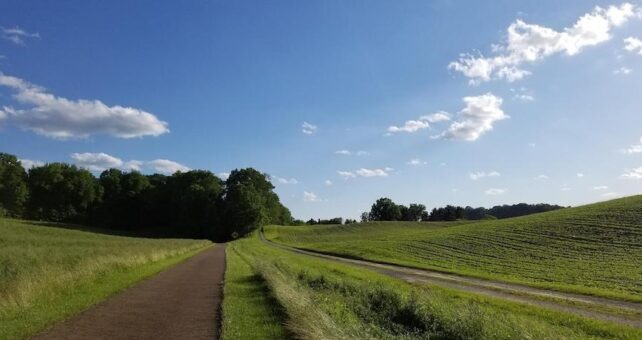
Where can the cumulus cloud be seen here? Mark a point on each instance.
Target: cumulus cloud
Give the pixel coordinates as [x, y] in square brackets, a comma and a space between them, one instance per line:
[437, 117]
[635, 148]
[282, 180]
[28, 163]
[308, 128]
[96, 161]
[481, 174]
[494, 191]
[63, 118]
[528, 43]
[476, 118]
[165, 166]
[17, 35]
[311, 197]
[409, 126]
[633, 44]
[223, 175]
[632, 173]
[101, 161]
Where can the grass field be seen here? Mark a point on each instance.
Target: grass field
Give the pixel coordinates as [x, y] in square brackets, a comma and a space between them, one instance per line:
[49, 273]
[593, 249]
[329, 300]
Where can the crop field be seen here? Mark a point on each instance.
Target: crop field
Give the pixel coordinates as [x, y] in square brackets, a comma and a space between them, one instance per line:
[321, 299]
[48, 273]
[594, 249]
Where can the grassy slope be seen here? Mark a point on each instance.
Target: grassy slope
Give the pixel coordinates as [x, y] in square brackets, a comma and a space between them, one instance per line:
[48, 273]
[328, 300]
[593, 249]
[249, 310]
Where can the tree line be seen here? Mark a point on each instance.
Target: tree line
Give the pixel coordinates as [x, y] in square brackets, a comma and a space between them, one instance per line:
[384, 209]
[192, 204]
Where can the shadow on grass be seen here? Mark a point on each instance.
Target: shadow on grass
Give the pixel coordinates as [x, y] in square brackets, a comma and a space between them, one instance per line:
[98, 230]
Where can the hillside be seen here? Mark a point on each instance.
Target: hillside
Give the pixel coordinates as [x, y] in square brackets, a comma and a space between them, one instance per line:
[593, 249]
[48, 273]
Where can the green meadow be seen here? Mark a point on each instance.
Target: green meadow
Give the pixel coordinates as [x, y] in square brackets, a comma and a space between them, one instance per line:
[48, 273]
[594, 249]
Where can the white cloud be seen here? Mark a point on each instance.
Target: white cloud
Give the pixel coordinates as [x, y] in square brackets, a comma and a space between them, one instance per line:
[623, 70]
[541, 177]
[565, 188]
[346, 174]
[528, 43]
[416, 161]
[343, 152]
[133, 165]
[437, 117]
[223, 175]
[363, 172]
[632, 173]
[28, 163]
[308, 128]
[311, 197]
[476, 118]
[633, 44]
[362, 153]
[165, 166]
[522, 94]
[600, 187]
[494, 191]
[286, 181]
[59, 117]
[579, 175]
[635, 148]
[328, 182]
[410, 126]
[532, 145]
[610, 194]
[96, 161]
[18, 35]
[481, 174]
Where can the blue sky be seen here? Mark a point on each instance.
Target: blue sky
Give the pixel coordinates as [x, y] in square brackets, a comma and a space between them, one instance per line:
[537, 101]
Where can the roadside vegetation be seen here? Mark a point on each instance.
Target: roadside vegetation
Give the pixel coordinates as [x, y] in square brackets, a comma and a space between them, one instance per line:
[48, 272]
[328, 300]
[594, 249]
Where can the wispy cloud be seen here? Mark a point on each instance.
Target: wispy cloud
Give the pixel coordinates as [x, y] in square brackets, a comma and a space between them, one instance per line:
[600, 187]
[416, 161]
[635, 148]
[409, 126]
[495, 191]
[529, 43]
[623, 71]
[308, 128]
[63, 118]
[282, 180]
[632, 173]
[364, 172]
[18, 35]
[311, 197]
[481, 174]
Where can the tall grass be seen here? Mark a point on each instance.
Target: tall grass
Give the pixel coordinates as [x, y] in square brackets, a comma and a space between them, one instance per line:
[48, 273]
[328, 300]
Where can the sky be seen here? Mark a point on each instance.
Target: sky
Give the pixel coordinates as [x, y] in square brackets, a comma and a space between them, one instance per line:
[340, 102]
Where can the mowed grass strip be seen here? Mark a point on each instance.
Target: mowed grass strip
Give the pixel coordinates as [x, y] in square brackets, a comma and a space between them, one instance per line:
[329, 300]
[50, 273]
[249, 309]
[594, 249]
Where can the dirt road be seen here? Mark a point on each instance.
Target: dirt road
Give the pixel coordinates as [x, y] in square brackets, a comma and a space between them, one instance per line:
[180, 303]
[624, 312]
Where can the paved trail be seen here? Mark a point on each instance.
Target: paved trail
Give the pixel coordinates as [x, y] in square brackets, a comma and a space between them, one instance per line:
[180, 303]
[589, 306]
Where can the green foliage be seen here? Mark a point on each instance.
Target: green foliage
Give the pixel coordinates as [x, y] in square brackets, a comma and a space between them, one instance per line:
[13, 186]
[594, 249]
[384, 209]
[62, 192]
